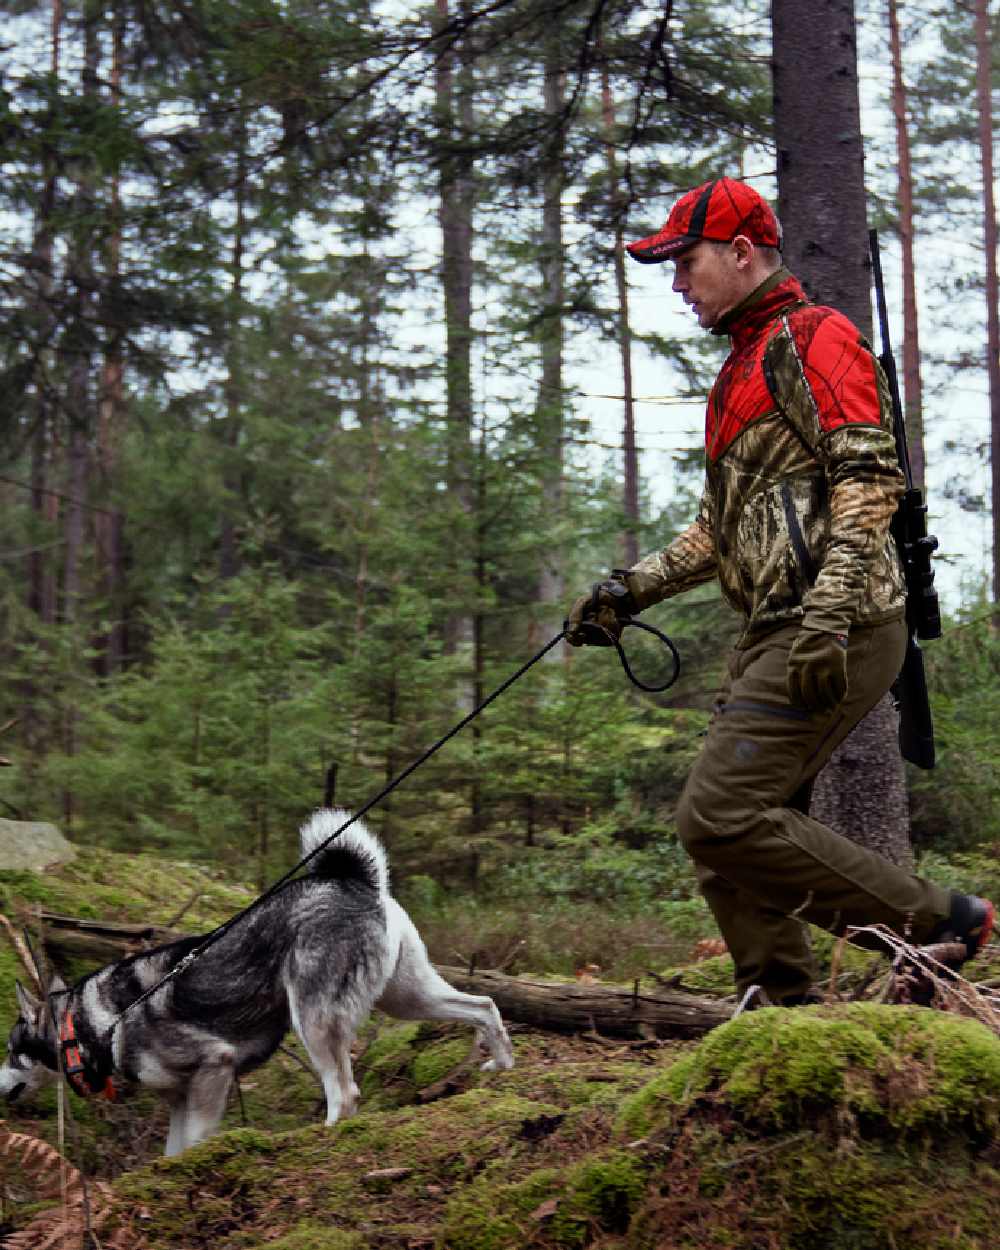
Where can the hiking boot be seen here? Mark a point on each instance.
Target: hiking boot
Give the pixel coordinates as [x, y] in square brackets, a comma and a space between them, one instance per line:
[756, 997]
[970, 922]
[811, 998]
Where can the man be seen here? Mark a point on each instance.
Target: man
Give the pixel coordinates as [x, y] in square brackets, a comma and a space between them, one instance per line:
[801, 483]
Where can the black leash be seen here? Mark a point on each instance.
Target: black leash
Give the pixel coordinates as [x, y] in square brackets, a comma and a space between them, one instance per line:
[219, 932]
[624, 621]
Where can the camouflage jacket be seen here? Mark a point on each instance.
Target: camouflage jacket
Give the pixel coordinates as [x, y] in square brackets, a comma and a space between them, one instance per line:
[801, 480]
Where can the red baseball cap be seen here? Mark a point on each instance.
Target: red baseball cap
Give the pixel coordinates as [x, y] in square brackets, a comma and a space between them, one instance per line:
[717, 210]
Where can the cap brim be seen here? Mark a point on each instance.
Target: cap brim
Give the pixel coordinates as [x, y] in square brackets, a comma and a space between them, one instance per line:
[658, 248]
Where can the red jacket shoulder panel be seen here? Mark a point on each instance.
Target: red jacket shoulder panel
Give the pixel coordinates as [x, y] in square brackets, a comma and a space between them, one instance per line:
[838, 366]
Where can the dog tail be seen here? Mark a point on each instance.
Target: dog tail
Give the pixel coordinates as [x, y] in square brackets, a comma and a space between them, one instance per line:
[354, 855]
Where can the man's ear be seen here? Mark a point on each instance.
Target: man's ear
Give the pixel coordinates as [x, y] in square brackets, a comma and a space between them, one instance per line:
[27, 1003]
[744, 250]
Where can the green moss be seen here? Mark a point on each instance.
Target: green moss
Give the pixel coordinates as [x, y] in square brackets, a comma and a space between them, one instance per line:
[318, 1175]
[604, 1190]
[469, 1225]
[135, 889]
[558, 1207]
[404, 1059]
[10, 970]
[310, 1236]
[802, 1191]
[597, 1083]
[905, 1068]
[436, 1061]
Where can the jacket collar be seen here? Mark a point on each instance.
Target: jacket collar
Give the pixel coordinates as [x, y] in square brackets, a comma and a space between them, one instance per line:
[780, 290]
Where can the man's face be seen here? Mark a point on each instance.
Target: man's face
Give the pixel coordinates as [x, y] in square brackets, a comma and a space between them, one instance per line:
[709, 277]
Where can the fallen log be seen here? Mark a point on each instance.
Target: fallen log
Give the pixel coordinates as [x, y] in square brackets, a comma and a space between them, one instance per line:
[613, 1011]
[103, 941]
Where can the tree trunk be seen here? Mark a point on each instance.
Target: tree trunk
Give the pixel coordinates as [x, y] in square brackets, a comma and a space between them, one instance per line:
[229, 553]
[41, 577]
[984, 104]
[456, 195]
[604, 1009]
[912, 387]
[550, 409]
[865, 803]
[821, 200]
[821, 181]
[630, 501]
[109, 522]
[78, 347]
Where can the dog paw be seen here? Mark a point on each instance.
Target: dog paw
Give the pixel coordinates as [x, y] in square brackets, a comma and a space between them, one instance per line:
[501, 1063]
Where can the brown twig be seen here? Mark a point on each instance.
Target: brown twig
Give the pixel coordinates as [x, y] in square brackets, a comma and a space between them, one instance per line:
[22, 952]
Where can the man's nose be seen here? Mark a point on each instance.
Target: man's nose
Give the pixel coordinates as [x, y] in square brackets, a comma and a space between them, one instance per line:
[677, 284]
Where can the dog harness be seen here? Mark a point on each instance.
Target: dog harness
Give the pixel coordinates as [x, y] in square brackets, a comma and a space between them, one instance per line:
[83, 1078]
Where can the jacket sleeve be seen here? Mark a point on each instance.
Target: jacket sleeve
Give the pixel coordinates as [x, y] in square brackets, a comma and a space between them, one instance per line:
[845, 412]
[686, 562]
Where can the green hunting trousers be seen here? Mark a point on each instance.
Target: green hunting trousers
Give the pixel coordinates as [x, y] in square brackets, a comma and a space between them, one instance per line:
[764, 866]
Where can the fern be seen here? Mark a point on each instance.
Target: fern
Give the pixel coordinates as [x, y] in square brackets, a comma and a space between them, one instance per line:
[51, 1176]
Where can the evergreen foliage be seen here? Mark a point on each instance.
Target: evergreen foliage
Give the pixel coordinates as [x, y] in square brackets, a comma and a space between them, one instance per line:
[241, 563]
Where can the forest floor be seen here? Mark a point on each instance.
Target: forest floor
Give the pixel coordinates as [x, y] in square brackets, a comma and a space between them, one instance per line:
[847, 1126]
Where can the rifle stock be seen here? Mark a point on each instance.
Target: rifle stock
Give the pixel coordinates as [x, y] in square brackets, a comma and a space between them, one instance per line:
[916, 728]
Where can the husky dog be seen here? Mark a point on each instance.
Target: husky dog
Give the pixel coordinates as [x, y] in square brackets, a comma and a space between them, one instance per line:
[315, 956]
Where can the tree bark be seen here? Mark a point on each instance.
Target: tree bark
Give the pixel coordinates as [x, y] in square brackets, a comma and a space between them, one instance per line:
[821, 200]
[549, 410]
[455, 206]
[821, 181]
[630, 502]
[42, 593]
[865, 803]
[230, 558]
[912, 387]
[109, 522]
[984, 104]
[605, 1009]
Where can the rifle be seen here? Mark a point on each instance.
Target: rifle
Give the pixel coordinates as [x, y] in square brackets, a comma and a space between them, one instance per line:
[909, 529]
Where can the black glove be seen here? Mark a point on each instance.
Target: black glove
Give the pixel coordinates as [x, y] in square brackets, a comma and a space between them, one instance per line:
[596, 619]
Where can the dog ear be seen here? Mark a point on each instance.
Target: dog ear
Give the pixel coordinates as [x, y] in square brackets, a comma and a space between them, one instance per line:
[27, 1003]
[56, 984]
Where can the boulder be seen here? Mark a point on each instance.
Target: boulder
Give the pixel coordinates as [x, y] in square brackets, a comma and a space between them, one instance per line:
[32, 845]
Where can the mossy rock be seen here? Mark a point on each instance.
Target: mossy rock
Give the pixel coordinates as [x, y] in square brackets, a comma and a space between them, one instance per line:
[895, 1069]
[861, 1127]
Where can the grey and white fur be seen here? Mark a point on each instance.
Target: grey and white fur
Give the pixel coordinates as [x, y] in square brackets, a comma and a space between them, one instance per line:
[316, 957]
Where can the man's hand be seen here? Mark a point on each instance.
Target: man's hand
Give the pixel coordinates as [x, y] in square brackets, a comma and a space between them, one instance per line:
[596, 619]
[817, 669]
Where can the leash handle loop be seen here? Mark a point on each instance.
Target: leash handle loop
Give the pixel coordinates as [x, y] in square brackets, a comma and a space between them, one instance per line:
[617, 644]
